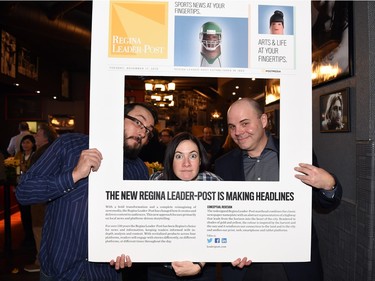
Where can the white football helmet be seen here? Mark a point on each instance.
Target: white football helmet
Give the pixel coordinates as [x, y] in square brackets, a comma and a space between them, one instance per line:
[210, 36]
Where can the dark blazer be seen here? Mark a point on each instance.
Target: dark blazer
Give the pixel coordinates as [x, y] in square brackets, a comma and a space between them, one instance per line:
[230, 168]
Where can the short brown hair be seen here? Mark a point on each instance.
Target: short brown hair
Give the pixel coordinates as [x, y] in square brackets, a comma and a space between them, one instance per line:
[48, 131]
[23, 126]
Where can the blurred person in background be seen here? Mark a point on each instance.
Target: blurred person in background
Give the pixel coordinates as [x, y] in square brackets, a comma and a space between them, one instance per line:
[44, 137]
[24, 155]
[211, 144]
[14, 144]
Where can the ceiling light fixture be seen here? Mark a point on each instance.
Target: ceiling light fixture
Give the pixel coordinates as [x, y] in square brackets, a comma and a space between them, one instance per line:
[160, 92]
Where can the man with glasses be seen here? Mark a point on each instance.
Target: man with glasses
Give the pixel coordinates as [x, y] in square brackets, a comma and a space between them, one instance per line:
[166, 135]
[139, 121]
[60, 178]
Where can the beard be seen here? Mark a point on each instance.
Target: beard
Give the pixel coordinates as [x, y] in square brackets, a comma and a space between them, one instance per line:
[131, 152]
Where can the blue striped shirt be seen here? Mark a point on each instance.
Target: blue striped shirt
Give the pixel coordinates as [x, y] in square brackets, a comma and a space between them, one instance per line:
[64, 248]
[135, 169]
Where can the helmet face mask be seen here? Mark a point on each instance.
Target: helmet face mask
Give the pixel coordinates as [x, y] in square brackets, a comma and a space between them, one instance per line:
[210, 36]
[211, 42]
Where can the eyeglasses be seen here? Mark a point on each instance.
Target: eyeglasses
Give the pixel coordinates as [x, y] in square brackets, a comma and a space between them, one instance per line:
[149, 132]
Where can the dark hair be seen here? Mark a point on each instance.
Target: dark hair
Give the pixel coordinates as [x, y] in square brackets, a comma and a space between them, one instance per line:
[330, 103]
[23, 126]
[277, 16]
[30, 138]
[48, 131]
[168, 173]
[168, 130]
[149, 107]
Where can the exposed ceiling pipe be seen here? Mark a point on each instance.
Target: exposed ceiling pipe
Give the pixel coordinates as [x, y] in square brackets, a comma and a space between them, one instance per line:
[214, 90]
[202, 94]
[30, 19]
[61, 8]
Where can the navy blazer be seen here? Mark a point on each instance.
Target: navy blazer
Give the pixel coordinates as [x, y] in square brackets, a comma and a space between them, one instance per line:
[230, 168]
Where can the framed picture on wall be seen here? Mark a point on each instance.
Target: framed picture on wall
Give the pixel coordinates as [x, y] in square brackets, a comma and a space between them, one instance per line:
[8, 54]
[273, 122]
[28, 63]
[23, 107]
[331, 41]
[334, 111]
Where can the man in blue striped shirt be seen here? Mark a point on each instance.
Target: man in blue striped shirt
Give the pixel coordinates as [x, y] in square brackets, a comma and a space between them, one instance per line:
[60, 178]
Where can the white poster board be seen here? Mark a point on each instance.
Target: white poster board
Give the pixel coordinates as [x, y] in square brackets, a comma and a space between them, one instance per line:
[160, 221]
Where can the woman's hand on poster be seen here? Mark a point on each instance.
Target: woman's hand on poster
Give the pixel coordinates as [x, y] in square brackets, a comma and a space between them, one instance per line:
[121, 262]
[241, 263]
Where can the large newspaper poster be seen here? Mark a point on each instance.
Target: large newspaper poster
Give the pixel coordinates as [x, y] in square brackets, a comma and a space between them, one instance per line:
[161, 221]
